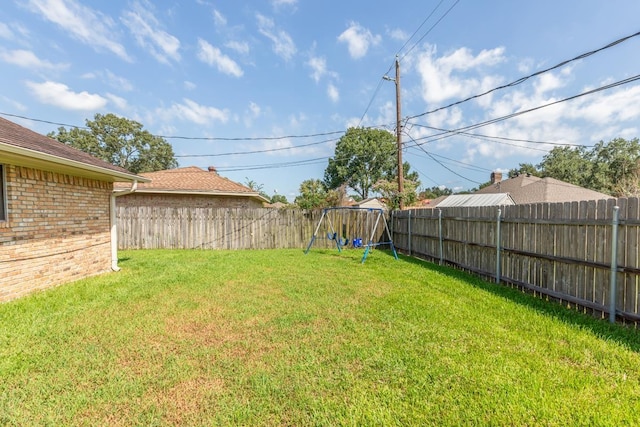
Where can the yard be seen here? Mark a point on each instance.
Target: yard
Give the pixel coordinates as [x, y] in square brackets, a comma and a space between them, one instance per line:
[281, 338]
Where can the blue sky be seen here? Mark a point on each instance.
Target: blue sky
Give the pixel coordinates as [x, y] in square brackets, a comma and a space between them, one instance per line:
[226, 75]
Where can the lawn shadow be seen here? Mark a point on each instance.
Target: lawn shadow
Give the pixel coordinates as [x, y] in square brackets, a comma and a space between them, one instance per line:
[621, 334]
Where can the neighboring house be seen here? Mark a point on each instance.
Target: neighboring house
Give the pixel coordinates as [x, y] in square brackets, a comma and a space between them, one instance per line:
[526, 189]
[371, 202]
[191, 187]
[56, 204]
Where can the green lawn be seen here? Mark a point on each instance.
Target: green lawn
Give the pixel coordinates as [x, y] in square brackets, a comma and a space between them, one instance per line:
[282, 338]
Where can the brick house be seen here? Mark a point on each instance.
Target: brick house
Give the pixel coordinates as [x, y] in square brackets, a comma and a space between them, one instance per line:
[190, 187]
[56, 204]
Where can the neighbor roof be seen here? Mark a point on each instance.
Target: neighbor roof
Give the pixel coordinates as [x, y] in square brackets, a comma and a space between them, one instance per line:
[191, 180]
[468, 200]
[526, 189]
[24, 147]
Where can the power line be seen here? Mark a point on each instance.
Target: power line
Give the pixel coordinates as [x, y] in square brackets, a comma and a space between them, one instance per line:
[375, 92]
[524, 79]
[461, 130]
[418, 29]
[440, 163]
[430, 29]
[267, 150]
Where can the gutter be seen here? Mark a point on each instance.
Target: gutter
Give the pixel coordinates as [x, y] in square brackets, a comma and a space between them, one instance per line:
[114, 228]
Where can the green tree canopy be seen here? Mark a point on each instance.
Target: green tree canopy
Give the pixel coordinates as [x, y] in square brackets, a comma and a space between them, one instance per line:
[279, 198]
[523, 169]
[610, 168]
[389, 188]
[121, 142]
[362, 158]
[313, 194]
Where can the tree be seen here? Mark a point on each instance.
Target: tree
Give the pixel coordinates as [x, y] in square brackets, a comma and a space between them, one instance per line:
[614, 165]
[524, 169]
[258, 188]
[389, 188]
[121, 142]
[362, 158]
[568, 164]
[313, 194]
[279, 198]
[610, 168]
[435, 192]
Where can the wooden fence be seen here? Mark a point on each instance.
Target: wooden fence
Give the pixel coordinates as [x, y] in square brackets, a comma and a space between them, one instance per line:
[562, 250]
[236, 228]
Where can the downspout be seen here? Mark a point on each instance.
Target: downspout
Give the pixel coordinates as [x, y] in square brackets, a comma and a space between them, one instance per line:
[114, 228]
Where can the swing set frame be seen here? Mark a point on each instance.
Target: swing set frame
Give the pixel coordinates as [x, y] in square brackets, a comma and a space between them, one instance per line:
[370, 244]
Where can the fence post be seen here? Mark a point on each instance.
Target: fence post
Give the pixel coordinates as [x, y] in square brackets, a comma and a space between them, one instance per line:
[409, 229]
[440, 237]
[498, 246]
[614, 264]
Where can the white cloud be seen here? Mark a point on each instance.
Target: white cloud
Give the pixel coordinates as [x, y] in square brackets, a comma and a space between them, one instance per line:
[118, 82]
[17, 105]
[189, 85]
[255, 109]
[145, 28]
[59, 95]
[219, 19]
[27, 59]
[192, 111]
[283, 44]
[84, 24]
[442, 78]
[358, 40]
[119, 102]
[238, 46]
[333, 92]
[213, 56]
[318, 66]
[279, 3]
[399, 34]
[5, 31]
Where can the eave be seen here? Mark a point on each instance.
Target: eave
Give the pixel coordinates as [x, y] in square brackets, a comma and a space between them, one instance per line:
[25, 157]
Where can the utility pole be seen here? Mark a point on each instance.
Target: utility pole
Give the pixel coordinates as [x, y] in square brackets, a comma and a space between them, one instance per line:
[398, 132]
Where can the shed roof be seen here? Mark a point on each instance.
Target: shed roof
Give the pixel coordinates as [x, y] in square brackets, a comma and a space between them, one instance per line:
[24, 147]
[468, 200]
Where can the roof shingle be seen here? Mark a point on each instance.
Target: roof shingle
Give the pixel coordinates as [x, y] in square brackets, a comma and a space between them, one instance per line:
[526, 189]
[19, 136]
[190, 179]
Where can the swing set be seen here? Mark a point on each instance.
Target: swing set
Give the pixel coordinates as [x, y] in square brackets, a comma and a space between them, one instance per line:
[368, 226]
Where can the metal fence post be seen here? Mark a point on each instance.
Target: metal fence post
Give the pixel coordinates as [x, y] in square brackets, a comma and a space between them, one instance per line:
[440, 235]
[409, 228]
[614, 264]
[498, 263]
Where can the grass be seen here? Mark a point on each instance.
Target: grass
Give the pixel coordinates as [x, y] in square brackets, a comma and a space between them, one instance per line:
[282, 338]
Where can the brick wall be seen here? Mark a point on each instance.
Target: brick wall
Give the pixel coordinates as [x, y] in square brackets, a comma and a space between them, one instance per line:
[187, 200]
[57, 230]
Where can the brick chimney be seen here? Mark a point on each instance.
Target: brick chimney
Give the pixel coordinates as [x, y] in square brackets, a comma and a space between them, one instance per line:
[496, 177]
[212, 169]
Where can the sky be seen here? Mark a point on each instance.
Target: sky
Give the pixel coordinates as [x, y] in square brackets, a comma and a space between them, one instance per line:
[263, 90]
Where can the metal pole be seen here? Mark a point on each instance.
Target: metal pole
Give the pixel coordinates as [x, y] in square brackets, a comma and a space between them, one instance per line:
[614, 264]
[409, 227]
[399, 135]
[498, 246]
[441, 238]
